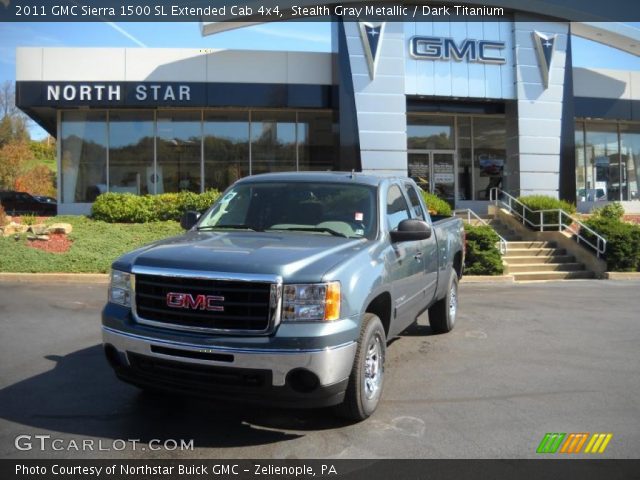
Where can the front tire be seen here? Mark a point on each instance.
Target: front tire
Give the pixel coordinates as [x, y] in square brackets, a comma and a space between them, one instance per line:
[367, 375]
[442, 314]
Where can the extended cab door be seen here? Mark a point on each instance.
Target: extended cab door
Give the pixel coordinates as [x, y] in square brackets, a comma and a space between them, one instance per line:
[405, 264]
[428, 247]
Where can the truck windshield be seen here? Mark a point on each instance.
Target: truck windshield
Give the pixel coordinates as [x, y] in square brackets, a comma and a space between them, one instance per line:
[338, 209]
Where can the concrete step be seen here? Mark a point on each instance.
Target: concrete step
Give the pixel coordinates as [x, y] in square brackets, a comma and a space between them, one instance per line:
[519, 260]
[535, 252]
[553, 275]
[531, 244]
[545, 267]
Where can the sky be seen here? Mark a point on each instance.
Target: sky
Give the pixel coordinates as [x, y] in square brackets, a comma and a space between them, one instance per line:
[297, 36]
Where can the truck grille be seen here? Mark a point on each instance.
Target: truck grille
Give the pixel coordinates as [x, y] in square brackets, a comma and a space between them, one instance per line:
[212, 305]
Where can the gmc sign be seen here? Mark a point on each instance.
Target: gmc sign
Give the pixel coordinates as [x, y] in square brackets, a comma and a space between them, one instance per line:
[199, 302]
[441, 48]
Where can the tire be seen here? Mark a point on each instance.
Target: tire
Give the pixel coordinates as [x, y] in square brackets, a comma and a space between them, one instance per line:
[442, 314]
[364, 391]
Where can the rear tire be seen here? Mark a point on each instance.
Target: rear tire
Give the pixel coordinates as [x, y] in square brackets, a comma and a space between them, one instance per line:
[367, 375]
[443, 313]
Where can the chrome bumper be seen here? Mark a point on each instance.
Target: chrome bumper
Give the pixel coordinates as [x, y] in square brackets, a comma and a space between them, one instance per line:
[331, 365]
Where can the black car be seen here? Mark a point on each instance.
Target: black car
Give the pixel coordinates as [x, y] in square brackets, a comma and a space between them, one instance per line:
[16, 203]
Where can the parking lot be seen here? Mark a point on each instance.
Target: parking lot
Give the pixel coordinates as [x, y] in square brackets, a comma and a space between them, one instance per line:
[524, 359]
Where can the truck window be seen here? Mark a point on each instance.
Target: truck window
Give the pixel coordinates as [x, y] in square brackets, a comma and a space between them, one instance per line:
[347, 210]
[415, 201]
[397, 208]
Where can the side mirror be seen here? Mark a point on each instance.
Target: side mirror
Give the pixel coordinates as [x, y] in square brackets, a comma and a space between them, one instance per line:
[189, 219]
[410, 230]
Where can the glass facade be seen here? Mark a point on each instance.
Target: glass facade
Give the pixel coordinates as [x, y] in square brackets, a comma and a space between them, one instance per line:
[147, 151]
[83, 155]
[607, 156]
[131, 137]
[457, 157]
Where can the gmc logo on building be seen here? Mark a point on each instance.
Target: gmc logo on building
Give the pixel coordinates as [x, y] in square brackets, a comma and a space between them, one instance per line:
[199, 302]
[441, 48]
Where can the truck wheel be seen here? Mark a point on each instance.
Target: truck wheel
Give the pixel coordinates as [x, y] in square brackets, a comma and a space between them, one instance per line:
[367, 375]
[442, 314]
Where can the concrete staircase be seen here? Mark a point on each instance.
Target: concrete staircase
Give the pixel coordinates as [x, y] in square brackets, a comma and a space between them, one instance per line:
[531, 260]
[537, 260]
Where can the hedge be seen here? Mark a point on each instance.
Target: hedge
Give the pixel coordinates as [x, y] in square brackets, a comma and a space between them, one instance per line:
[482, 254]
[623, 239]
[543, 202]
[130, 208]
[436, 205]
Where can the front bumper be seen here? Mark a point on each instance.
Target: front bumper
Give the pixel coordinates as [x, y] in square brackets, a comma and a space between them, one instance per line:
[278, 377]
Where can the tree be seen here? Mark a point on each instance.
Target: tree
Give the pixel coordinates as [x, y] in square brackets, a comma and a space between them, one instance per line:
[14, 124]
[14, 158]
[37, 181]
[8, 100]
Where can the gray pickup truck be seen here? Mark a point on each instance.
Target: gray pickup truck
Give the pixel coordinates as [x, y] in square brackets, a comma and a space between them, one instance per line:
[285, 292]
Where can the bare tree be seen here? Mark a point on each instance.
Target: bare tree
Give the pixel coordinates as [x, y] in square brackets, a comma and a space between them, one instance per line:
[8, 100]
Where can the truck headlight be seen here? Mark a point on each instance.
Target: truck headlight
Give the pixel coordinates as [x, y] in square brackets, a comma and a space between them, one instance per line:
[312, 302]
[120, 288]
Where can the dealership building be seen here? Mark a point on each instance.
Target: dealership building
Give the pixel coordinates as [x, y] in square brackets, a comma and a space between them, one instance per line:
[460, 106]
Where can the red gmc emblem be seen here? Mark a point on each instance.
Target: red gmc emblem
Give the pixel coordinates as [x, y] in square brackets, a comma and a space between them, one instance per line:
[199, 302]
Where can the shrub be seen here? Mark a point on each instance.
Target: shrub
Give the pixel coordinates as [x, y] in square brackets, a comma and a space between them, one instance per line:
[623, 242]
[482, 254]
[130, 208]
[3, 217]
[613, 211]
[37, 181]
[543, 202]
[28, 219]
[436, 205]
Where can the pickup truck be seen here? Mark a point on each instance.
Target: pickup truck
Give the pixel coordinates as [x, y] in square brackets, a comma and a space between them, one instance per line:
[285, 292]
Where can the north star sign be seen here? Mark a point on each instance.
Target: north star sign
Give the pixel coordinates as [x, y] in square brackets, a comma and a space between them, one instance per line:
[113, 93]
[443, 48]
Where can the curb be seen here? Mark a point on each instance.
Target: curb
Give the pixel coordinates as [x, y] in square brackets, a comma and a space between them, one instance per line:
[92, 278]
[622, 275]
[487, 279]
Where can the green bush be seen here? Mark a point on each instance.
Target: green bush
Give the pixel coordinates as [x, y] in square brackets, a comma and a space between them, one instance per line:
[129, 208]
[623, 242]
[482, 254]
[543, 202]
[613, 211]
[436, 205]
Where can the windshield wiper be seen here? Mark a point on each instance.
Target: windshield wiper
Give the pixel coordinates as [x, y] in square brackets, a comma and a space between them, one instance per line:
[239, 226]
[313, 229]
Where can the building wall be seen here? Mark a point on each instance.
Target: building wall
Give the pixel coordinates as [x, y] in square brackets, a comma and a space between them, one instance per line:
[380, 102]
[461, 78]
[171, 65]
[539, 109]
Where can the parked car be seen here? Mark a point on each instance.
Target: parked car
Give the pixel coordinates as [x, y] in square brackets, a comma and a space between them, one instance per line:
[285, 292]
[18, 203]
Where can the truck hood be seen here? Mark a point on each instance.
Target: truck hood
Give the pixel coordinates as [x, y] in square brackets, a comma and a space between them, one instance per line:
[294, 256]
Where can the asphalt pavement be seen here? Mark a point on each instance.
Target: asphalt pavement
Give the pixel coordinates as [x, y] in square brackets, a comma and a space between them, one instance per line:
[523, 360]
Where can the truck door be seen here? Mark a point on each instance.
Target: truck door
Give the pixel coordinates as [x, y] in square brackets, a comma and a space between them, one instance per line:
[428, 248]
[405, 264]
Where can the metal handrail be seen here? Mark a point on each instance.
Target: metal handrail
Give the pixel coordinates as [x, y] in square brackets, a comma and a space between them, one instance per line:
[470, 213]
[600, 246]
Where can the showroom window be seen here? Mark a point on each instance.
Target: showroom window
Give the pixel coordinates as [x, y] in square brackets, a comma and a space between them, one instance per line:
[179, 151]
[226, 148]
[607, 161]
[131, 137]
[83, 155]
[149, 152]
[273, 142]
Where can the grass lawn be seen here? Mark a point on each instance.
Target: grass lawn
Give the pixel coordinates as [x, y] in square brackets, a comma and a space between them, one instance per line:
[95, 246]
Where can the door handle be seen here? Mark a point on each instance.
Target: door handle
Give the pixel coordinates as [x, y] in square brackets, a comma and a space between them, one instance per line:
[418, 256]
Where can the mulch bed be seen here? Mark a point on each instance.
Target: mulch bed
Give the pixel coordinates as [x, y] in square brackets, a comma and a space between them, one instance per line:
[57, 243]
